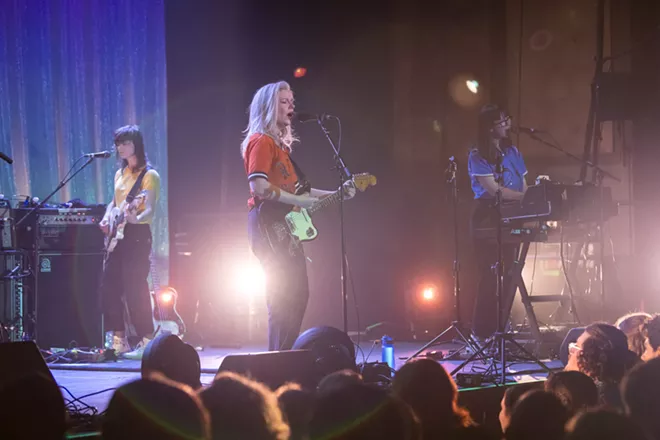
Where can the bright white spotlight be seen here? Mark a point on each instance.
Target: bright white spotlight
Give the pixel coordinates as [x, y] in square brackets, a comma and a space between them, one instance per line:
[472, 85]
[249, 279]
[428, 293]
[166, 297]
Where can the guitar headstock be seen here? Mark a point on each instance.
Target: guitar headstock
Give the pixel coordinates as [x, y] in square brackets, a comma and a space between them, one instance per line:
[363, 181]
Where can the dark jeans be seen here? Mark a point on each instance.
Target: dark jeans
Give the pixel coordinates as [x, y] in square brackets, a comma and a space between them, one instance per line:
[484, 320]
[287, 290]
[125, 278]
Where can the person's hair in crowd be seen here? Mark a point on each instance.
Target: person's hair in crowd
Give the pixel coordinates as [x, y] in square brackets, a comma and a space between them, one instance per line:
[30, 397]
[511, 396]
[175, 359]
[576, 390]
[631, 325]
[641, 395]
[538, 415]
[297, 406]
[338, 380]
[431, 392]
[650, 334]
[601, 424]
[363, 412]
[243, 408]
[156, 408]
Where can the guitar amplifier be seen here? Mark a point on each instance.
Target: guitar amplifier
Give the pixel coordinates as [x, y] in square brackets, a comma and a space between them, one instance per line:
[61, 229]
[68, 307]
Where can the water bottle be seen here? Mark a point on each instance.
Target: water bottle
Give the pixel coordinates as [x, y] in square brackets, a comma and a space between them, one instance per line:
[388, 351]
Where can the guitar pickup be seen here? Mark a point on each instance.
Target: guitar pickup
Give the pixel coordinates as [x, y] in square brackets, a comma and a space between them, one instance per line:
[291, 224]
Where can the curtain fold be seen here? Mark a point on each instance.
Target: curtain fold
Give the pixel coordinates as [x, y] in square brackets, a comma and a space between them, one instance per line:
[71, 72]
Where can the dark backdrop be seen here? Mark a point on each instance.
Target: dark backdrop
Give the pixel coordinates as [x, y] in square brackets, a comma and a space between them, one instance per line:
[386, 69]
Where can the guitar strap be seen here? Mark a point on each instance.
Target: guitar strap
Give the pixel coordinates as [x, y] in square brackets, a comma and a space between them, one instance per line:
[137, 185]
[302, 185]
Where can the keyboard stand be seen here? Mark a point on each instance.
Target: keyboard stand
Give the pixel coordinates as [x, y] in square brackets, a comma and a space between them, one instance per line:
[517, 283]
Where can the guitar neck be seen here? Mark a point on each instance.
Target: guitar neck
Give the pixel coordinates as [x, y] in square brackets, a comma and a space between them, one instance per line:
[325, 202]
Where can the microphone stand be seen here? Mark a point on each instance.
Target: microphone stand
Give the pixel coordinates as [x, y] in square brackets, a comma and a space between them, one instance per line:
[456, 325]
[344, 175]
[37, 238]
[585, 162]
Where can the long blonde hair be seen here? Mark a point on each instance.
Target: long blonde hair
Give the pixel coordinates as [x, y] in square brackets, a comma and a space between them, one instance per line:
[263, 117]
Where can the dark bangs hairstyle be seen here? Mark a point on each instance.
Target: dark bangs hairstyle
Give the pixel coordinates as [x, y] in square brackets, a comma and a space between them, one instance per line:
[489, 114]
[132, 133]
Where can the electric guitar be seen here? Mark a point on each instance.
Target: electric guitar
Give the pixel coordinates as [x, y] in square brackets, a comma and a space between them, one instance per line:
[163, 303]
[286, 227]
[117, 221]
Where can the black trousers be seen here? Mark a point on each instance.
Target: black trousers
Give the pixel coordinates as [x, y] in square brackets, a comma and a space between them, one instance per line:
[125, 278]
[287, 288]
[484, 319]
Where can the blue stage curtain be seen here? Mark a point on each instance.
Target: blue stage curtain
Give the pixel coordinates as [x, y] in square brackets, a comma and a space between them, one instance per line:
[71, 72]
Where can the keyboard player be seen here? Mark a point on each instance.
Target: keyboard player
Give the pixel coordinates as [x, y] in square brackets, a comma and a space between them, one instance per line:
[493, 146]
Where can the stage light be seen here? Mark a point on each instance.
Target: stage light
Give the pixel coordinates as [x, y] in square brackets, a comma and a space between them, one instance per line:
[166, 297]
[427, 309]
[299, 72]
[472, 85]
[249, 279]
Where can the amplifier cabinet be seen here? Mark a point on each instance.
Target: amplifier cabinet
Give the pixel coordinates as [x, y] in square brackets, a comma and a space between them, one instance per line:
[68, 306]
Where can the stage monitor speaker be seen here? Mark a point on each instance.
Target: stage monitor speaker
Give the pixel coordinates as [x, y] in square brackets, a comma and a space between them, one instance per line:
[19, 359]
[67, 301]
[275, 368]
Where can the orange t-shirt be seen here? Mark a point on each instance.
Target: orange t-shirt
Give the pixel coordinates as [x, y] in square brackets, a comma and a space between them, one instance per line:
[263, 158]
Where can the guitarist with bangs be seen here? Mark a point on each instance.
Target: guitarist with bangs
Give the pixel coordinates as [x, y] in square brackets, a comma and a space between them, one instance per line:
[277, 184]
[126, 223]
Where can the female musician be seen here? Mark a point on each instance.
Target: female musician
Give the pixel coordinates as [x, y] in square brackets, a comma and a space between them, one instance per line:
[273, 177]
[493, 165]
[124, 287]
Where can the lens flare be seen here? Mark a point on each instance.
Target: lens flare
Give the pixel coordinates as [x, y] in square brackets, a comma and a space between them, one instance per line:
[472, 85]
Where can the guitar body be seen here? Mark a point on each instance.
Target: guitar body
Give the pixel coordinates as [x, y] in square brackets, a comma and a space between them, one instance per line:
[117, 221]
[275, 227]
[300, 225]
[164, 320]
[116, 228]
[163, 304]
[285, 227]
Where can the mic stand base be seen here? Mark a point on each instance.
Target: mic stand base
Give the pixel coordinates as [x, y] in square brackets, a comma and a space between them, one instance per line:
[465, 335]
[498, 341]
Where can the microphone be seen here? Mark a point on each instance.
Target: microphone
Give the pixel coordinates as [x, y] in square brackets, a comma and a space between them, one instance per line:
[306, 117]
[6, 158]
[526, 130]
[99, 155]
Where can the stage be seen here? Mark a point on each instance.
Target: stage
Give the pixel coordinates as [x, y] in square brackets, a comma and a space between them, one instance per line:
[93, 383]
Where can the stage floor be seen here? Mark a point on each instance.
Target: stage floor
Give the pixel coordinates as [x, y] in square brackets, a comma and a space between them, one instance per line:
[100, 379]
